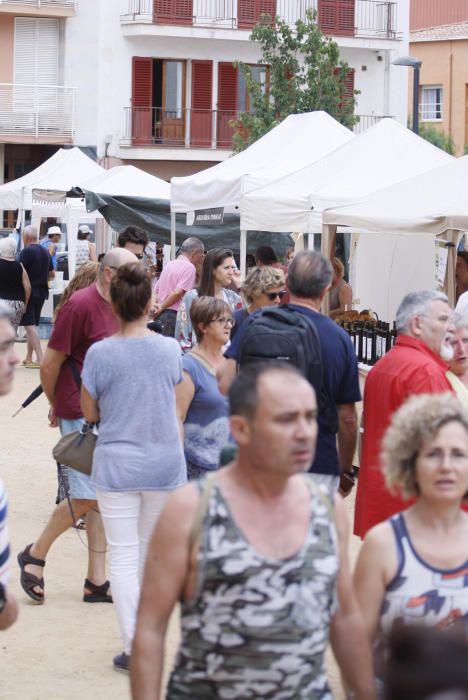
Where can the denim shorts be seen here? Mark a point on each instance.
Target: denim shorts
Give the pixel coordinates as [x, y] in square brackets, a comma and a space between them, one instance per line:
[80, 484]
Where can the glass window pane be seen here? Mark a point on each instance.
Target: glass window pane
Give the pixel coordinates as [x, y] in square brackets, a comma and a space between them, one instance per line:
[431, 106]
[241, 91]
[173, 91]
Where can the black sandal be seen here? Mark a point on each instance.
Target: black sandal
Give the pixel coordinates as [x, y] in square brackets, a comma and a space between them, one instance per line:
[99, 594]
[30, 581]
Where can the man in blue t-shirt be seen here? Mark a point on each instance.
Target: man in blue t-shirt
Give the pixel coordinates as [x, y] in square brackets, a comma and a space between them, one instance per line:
[309, 278]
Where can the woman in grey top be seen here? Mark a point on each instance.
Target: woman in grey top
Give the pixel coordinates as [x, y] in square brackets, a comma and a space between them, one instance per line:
[129, 387]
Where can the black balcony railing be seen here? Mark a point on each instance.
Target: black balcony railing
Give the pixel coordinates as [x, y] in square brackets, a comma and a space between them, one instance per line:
[358, 18]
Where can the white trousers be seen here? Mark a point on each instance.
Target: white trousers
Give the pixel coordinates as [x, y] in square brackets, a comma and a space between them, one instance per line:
[129, 520]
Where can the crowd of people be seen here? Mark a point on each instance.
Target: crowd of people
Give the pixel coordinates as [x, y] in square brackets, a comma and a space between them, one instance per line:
[256, 552]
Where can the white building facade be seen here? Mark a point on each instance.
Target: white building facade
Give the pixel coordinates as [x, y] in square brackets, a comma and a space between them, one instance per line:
[152, 82]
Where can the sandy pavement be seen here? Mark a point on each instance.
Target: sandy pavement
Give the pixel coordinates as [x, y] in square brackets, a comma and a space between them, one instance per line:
[63, 649]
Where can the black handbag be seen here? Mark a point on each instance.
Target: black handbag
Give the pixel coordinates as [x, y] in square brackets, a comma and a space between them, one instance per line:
[76, 449]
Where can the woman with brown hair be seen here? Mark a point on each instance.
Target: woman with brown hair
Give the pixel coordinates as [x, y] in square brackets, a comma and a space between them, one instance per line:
[341, 294]
[216, 275]
[128, 387]
[263, 286]
[201, 408]
[413, 568]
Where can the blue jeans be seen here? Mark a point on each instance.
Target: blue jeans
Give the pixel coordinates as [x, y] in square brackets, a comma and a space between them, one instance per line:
[80, 484]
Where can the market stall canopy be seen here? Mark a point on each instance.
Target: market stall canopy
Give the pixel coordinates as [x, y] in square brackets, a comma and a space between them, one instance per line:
[58, 174]
[431, 202]
[381, 156]
[125, 181]
[298, 140]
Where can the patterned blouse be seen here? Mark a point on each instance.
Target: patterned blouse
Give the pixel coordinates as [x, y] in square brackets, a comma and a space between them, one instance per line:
[256, 627]
[183, 330]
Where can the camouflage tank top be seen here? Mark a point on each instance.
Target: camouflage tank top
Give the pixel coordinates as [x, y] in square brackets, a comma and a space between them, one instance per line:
[257, 628]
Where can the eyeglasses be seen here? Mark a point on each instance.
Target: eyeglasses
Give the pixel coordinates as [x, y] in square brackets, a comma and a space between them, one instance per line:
[272, 295]
[224, 321]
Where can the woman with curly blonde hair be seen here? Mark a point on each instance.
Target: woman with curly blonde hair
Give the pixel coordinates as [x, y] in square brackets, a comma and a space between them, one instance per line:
[86, 275]
[413, 568]
[263, 286]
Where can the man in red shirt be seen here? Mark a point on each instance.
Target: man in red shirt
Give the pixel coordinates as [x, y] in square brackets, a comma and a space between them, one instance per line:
[415, 365]
[86, 318]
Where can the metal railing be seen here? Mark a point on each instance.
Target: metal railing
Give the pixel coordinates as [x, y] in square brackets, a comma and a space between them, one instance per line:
[67, 4]
[182, 128]
[191, 128]
[361, 18]
[368, 120]
[36, 110]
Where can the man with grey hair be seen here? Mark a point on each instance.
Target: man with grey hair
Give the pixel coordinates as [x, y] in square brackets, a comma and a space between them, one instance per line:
[177, 278]
[458, 374]
[86, 318]
[309, 279]
[38, 265]
[417, 364]
[8, 360]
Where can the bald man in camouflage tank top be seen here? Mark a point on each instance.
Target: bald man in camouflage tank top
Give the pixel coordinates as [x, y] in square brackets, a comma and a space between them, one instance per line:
[257, 557]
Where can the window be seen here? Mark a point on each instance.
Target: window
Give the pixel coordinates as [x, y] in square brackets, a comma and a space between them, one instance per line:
[259, 74]
[36, 63]
[431, 103]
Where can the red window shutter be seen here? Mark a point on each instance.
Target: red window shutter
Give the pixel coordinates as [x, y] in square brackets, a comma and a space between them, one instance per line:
[201, 114]
[227, 103]
[173, 11]
[336, 17]
[348, 83]
[142, 96]
[250, 11]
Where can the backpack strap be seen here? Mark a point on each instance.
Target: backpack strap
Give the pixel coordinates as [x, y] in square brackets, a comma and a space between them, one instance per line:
[202, 509]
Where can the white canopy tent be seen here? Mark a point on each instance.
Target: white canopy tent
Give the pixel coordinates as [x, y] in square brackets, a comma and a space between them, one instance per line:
[58, 173]
[434, 203]
[43, 191]
[384, 154]
[298, 140]
[126, 181]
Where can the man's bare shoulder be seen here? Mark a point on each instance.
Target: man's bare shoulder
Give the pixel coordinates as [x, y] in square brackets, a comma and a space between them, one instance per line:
[181, 508]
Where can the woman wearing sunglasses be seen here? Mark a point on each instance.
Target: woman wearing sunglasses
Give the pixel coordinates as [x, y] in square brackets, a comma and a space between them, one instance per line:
[202, 410]
[263, 286]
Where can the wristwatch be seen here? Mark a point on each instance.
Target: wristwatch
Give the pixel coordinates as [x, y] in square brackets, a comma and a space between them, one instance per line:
[2, 597]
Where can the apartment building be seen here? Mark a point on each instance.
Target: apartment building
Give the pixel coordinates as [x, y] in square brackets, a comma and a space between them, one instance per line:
[152, 82]
[439, 38]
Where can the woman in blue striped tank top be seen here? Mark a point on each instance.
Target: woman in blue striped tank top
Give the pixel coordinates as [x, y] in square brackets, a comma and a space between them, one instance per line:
[413, 568]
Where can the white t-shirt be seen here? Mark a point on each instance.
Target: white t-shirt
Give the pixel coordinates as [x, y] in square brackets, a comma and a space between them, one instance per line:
[462, 304]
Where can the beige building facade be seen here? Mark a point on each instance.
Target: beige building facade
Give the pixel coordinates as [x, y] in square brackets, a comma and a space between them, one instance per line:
[443, 93]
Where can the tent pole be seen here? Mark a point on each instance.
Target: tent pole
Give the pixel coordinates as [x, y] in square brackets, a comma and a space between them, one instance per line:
[328, 237]
[173, 235]
[243, 253]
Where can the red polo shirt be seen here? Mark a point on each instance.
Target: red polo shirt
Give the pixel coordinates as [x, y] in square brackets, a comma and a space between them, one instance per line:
[409, 368]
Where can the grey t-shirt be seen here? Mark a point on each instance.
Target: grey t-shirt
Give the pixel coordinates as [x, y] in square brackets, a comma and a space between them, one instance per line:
[133, 380]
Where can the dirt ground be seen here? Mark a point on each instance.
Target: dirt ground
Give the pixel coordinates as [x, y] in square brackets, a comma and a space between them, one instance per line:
[63, 649]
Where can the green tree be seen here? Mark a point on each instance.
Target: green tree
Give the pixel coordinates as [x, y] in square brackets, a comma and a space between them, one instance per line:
[438, 138]
[305, 74]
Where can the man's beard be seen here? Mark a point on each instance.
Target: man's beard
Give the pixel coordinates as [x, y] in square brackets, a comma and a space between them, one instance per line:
[446, 352]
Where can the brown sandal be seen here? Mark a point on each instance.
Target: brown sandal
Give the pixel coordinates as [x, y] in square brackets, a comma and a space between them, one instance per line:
[99, 594]
[30, 581]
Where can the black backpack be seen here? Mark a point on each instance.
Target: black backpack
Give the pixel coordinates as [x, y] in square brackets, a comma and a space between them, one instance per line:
[284, 334]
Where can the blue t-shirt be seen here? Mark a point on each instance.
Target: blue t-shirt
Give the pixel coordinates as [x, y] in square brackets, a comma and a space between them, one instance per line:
[133, 381]
[340, 376]
[206, 426]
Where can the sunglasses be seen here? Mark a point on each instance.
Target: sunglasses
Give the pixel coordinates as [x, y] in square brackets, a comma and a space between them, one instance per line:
[272, 295]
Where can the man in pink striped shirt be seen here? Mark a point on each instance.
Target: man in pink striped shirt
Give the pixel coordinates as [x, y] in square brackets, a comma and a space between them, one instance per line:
[177, 278]
[8, 360]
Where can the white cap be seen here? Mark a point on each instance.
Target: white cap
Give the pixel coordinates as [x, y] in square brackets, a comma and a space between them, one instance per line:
[84, 229]
[54, 231]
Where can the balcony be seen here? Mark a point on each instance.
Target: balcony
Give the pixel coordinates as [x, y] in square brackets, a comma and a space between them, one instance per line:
[368, 120]
[353, 18]
[183, 128]
[36, 113]
[191, 128]
[39, 8]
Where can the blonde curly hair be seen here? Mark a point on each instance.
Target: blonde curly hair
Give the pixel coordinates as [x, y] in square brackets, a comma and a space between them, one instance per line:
[416, 422]
[260, 280]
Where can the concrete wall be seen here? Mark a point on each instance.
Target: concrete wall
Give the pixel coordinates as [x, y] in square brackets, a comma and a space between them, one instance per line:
[7, 33]
[432, 13]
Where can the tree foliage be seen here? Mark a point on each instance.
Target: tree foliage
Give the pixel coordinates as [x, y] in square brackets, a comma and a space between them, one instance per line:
[305, 74]
[438, 138]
